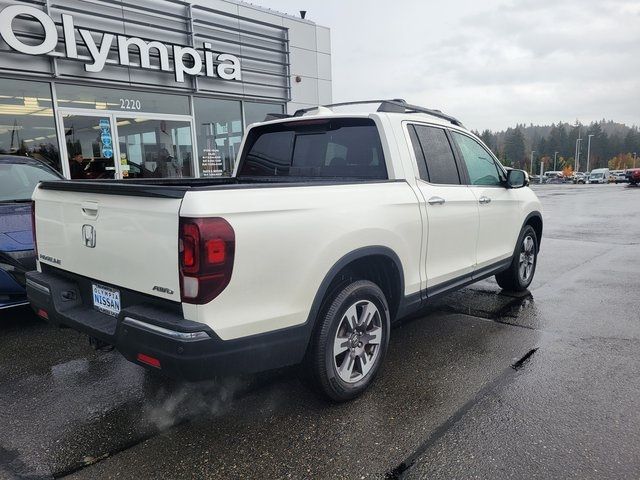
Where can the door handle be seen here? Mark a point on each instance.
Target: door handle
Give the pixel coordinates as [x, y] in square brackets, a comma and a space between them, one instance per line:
[90, 209]
[484, 200]
[436, 201]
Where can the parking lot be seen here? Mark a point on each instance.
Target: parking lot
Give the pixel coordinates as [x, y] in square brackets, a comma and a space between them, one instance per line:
[483, 384]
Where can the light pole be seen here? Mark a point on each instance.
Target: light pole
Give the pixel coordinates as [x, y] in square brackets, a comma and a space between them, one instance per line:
[634, 159]
[531, 162]
[576, 158]
[588, 151]
[555, 155]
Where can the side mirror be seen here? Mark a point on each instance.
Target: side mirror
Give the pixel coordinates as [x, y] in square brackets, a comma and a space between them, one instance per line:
[517, 179]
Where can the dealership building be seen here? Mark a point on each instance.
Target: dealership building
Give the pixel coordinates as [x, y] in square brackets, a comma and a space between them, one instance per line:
[150, 88]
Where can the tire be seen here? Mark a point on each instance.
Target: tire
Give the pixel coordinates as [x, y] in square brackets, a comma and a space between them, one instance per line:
[517, 277]
[343, 370]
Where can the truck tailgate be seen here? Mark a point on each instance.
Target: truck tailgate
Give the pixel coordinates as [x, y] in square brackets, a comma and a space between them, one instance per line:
[129, 241]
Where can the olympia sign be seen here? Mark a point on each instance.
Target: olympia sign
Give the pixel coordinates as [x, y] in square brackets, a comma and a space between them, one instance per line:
[227, 67]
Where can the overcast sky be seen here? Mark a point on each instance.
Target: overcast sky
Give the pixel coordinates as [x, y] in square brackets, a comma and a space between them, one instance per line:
[491, 63]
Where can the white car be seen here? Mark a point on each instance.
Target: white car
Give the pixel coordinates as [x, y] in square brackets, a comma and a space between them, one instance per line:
[619, 176]
[332, 227]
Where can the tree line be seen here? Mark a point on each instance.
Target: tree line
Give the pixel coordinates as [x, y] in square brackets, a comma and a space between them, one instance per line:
[613, 145]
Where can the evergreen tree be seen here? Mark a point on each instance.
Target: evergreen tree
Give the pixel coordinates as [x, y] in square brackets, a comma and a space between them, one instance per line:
[610, 140]
[599, 146]
[563, 144]
[490, 140]
[514, 147]
[632, 141]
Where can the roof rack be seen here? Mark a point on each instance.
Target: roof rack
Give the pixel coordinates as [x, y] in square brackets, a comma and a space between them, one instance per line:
[396, 105]
[275, 116]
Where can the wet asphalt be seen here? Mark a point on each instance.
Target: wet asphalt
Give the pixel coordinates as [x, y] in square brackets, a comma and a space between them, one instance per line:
[481, 385]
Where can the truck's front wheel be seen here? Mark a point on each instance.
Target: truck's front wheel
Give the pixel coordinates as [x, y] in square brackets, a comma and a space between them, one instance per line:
[351, 340]
[519, 275]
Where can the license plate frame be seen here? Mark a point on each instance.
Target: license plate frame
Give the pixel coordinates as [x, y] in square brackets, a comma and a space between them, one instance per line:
[106, 299]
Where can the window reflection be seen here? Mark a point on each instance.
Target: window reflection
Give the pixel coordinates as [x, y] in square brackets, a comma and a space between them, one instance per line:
[27, 127]
[257, 111]
[155, 148]
[219, 132]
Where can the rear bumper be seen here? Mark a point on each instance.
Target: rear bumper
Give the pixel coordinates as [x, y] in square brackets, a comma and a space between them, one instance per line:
[155, 328]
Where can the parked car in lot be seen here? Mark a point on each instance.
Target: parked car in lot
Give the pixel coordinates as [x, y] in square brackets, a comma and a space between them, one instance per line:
[615, 175]
[633, 176]
[551, 174]
[619, 176]
[18, 178]
[579, 177]
[332, 227]
[599, 175]
[556, 179]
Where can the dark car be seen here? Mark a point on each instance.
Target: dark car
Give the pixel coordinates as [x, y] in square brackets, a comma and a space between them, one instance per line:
[556, 179]
[18, 178]
[633, 176]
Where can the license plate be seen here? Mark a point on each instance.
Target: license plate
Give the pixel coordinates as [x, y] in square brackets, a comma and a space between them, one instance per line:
[106, 300]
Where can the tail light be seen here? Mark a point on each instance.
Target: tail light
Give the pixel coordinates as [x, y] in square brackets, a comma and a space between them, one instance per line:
[207, 249]
[33, 227]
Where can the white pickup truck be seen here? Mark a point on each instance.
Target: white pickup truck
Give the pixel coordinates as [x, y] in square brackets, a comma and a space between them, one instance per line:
[333, 226]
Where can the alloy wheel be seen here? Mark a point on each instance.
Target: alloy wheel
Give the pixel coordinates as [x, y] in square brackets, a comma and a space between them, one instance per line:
[527, 258]
[357, 341]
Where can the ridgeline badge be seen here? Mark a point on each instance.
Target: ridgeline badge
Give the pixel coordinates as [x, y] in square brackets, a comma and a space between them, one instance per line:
[183, 59]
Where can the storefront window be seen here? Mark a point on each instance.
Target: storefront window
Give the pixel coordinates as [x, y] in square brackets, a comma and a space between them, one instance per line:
[76, 96]
[256, 112]
[154, 148]
[27, 126]
[219, 132]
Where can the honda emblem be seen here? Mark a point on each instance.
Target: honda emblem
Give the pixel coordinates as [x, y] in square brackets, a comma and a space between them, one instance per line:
[89, 236]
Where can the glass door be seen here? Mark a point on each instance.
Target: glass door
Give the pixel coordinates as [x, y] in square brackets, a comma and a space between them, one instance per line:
[88, 145]
[108, 144]
[154, 147]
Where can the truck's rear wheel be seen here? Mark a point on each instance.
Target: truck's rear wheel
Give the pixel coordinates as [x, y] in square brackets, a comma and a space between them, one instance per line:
[519, 275]
[351, 341]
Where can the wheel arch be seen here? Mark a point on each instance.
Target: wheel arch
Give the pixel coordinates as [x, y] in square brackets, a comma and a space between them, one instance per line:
[534, 219]
[353, 262]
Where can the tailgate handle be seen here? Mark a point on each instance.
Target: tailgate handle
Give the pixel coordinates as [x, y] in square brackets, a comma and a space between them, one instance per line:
[90, 209]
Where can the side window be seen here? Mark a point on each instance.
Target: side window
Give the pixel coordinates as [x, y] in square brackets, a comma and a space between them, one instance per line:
[440, 163]
[417, 150]
[480, 164]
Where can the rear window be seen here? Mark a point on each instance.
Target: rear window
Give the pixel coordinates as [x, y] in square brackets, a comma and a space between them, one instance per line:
[335, 148]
